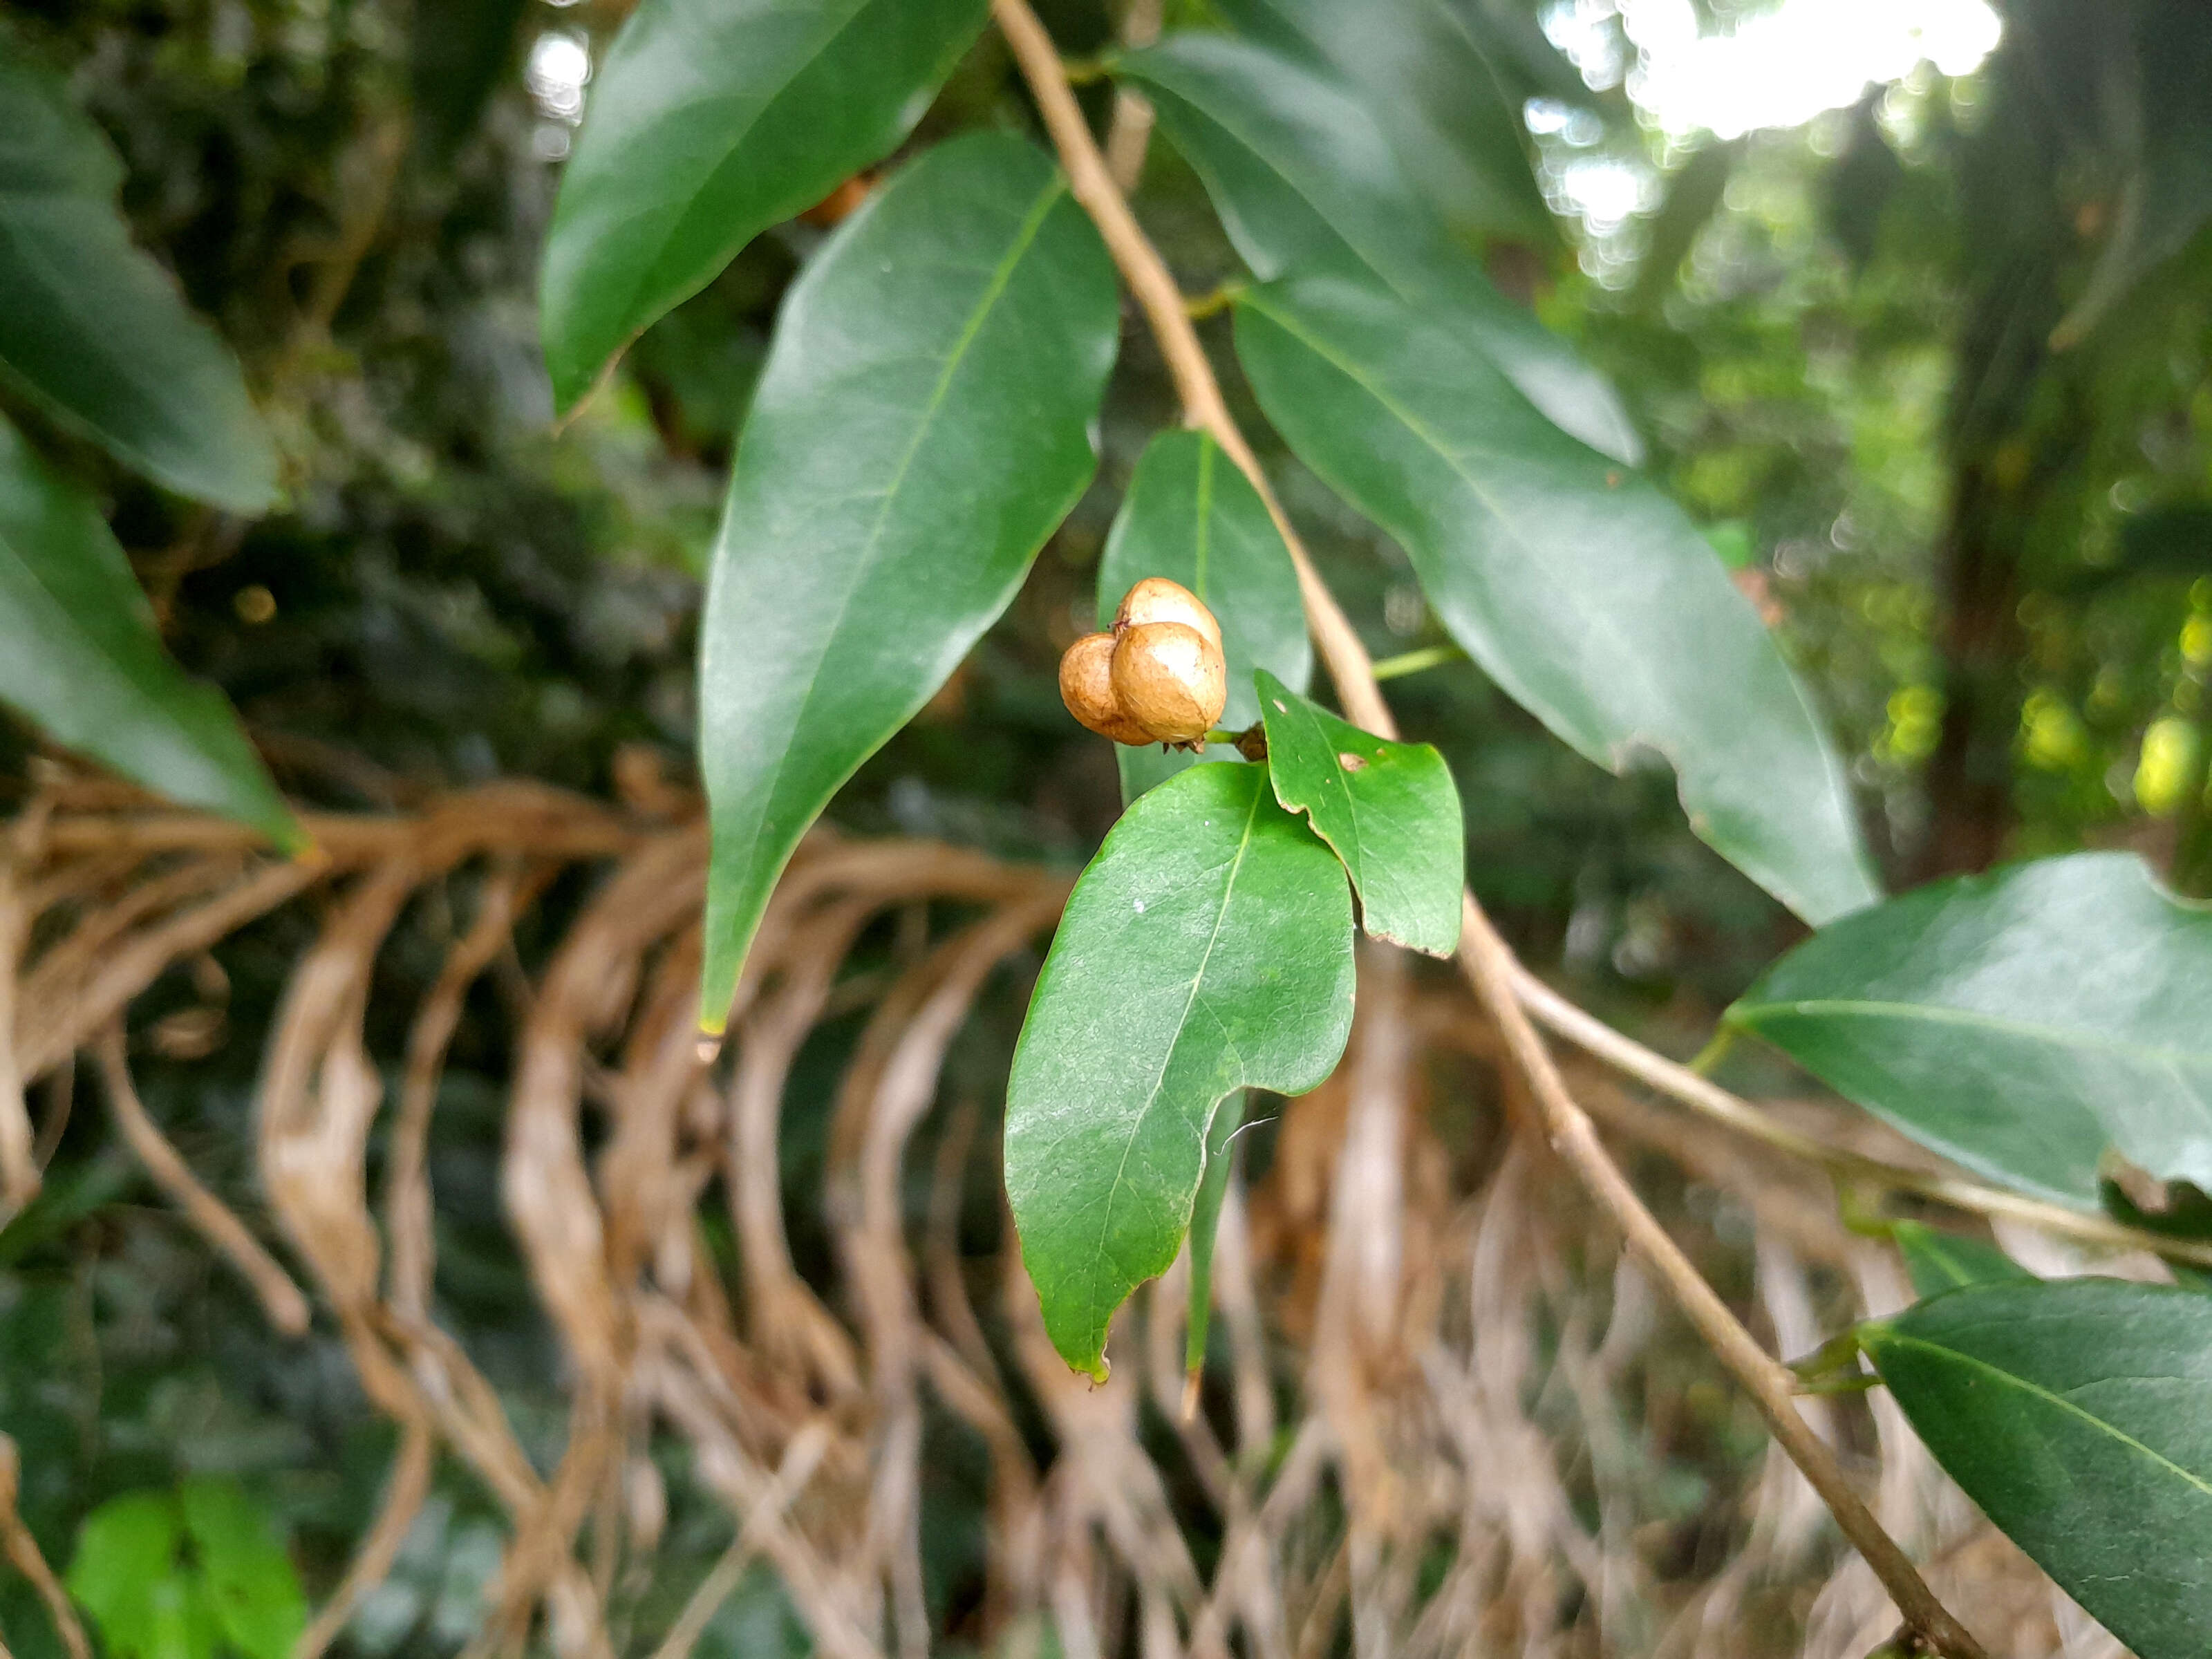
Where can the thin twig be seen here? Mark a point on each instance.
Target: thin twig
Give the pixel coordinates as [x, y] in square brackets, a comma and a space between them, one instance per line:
[1487, 960]
[23, 1554]
[280, 1299]
[1708, 1099]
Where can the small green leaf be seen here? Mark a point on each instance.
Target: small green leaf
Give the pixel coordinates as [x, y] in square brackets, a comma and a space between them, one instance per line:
[79, 654]
[1579, 587]
[923, 424]
[1304, 181]
[2018, 1022]
[1208, 949]
[1191, 516]
[127, 1574]
[710, 121]
[95, 329]
[251, 1587]
[124, 1549]
[1390, 810]
[2078, 1414]
[1940, 1261]
[1442, 82]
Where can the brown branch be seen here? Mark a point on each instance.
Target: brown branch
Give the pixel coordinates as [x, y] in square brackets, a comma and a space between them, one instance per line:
[1708, 1100]
[1487, 960]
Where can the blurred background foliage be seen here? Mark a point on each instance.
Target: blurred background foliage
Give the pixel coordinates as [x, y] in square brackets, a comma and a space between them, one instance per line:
[1929, 357]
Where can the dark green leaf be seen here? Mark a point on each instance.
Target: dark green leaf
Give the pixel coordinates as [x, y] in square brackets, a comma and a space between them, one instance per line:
[1578, 586]
[1191, 516]
[2078, 1414]
[1208, 949]
[2020, 1022]
[1442, 80]
[923, 424]
[1940, 1261]
[94, 330]
[251, 1584]
[1304, 181]
[78, 654]
[710, 121]
[1390, 810]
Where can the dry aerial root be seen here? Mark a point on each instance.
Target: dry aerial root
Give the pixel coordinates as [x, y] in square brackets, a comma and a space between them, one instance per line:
[1442, 1401]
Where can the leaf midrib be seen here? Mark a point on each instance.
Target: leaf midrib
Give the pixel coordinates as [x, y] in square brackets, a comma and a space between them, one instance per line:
[2036, 1390]
[1168, 1050]
[1001, 277]
[1938, 1014]
[1622, 652]
[651, 268]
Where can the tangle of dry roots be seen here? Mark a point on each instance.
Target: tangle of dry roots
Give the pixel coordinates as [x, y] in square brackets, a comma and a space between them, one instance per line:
[1444, 1390]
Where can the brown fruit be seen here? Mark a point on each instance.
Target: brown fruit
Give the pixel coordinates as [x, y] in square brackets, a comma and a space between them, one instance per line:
[1086, 686]
[1156, 599]
[1169, 679]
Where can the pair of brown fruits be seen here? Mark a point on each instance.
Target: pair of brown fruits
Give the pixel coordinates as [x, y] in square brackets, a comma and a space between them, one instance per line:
[1158, 676]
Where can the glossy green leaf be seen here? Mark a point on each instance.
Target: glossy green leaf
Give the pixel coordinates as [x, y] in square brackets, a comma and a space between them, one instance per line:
[1389, 810]
[1442, 81]
[79, 654]
[1939, 1261]
[1579, 587]
[251, 1584]
[1191, 516]
[1304, 181]
[710, 121]
[2078, 1414]
[94, 330]
[1208, 949]
[923, 424]
[2018, 1022]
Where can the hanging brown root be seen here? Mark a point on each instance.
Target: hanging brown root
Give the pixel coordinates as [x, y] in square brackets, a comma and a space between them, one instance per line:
[280, 1299]
[1436, 1427]
[23, 1554]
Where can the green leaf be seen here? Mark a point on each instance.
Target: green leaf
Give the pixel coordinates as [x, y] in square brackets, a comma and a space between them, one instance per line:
[1206, 1226]
[124, 1548]
[1578, 586]
[1208, 949]
[1389, 810]
[79, 654]
[1442, 82]
[1304, 181]
[128, 1574]
[1940, 1261]
[923, 424]
[2078, 1414]
[94, 330]
[251, 1587]
[2018, 1022]
[710, 121]
[1191, 516]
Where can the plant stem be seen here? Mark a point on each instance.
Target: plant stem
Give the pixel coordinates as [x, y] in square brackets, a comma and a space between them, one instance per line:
[1416, 662]
[1487, 960]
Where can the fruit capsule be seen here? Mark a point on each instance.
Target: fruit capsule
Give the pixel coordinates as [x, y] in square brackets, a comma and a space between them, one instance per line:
[1169, 680]
[1156, 599]
[1086, 686]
